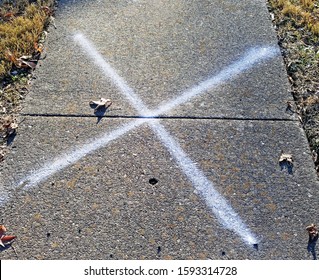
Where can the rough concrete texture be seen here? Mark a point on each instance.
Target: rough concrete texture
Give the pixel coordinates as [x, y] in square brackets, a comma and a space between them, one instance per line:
[128, 198]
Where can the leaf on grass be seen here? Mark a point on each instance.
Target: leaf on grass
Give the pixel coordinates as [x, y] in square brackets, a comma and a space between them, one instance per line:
[38, 47]
[47, 10]
[25, 57]
[102, 103]
[24, 63]
[8, 16]
[10, 56]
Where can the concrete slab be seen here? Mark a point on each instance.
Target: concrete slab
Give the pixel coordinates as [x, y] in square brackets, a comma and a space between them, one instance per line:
[103, 205]
[161, 49]
[78, 187]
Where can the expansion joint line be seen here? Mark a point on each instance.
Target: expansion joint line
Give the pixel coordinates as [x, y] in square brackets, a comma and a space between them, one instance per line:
[166, 117]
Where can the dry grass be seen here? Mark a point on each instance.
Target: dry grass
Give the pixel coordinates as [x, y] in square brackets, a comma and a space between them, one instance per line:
[297, 25]
[304, 13]
[21, 29]
[21, 26]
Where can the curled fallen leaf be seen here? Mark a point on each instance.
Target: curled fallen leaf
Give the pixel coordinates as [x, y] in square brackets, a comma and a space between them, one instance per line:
[286, 158]
[8, 16]
[8, 126]
[102, 103]
[313, 231]
[38, 47]
[4, 238]
[2, 230]
[22, 62]
[311, 228]
[7, 238]
[47, 10]
[286, 162]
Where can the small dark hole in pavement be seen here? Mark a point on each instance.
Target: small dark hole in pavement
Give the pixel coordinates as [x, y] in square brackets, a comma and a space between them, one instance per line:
[153, 181]
[223, 253]
[111, 256]
[256, 246]
[79, 230]
[159, 249]
[48, 234]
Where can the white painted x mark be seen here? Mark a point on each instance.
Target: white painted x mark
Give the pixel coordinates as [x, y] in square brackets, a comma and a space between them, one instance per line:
[214, 201]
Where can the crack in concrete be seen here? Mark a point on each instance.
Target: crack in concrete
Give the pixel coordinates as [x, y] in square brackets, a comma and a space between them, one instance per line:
[159, 117]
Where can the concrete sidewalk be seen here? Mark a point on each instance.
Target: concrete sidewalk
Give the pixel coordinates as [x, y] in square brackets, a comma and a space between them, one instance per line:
[184, 163]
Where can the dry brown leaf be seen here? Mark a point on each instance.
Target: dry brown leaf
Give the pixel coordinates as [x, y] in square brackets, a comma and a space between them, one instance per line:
[47, 10]
[38, 47]
[25, 57]
[21, 63]
[2, 230]
[4, 238]
[313, 231]
[101, 103]
[10, 56]
[285, 157]
[8, 126]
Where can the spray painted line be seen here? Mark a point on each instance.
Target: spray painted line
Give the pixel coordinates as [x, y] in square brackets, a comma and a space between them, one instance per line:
[217, 204]
[65, 160]
[247, 61]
